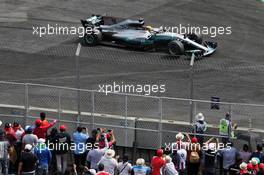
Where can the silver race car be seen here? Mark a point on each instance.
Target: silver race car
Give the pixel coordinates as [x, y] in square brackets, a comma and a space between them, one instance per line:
[134, 34]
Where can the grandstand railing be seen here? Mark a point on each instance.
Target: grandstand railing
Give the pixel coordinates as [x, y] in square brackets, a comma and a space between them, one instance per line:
[147, 121]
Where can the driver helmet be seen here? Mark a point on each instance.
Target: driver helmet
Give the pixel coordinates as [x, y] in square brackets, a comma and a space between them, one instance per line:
[149, 28]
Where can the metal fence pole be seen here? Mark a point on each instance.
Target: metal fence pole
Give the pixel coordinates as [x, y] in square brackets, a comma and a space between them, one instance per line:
[160, 122]
[126, 123]
[191, 87]
[26, 104]
[77, 67]
[92, 113]
[59, 105]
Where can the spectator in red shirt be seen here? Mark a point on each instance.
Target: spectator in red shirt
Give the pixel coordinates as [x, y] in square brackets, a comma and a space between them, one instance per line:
[157, 162]
[42, 116]
[10, 134]
[41, 130]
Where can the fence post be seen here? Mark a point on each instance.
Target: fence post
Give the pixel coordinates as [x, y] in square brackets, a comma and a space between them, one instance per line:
[59, 105]
[78, 107]
[191, 111]
[26, 104]
[160, 122]
[230, 109]
[92, 113]
[126, 123]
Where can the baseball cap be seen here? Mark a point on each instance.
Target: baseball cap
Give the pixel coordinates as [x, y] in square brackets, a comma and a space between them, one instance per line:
[29, 129]
[250, 166]
[62, 127]
[28, 147]
[180, 136]
[159, 152]
[261, 166]
[7, 125]
[41, 140]
[194, 140]
[200, 117]
[38, 122]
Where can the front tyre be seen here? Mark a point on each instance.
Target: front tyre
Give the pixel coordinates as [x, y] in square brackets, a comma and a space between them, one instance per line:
[176, 48]
[195, 37]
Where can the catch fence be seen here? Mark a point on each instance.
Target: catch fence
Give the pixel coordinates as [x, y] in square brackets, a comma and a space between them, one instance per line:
[147, 121]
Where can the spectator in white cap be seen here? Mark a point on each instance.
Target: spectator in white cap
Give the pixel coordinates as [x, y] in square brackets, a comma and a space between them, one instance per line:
[44, 157]
[200, 127]
[140, 168]
[109, 162]
[27, 161]
[179, 142]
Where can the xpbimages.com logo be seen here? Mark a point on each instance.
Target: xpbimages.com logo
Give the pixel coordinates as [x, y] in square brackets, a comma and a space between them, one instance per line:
[145, 89]
[63, 30]
[211, 31]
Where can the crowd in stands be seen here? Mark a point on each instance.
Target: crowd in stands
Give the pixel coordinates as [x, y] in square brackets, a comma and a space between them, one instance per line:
[43, 149]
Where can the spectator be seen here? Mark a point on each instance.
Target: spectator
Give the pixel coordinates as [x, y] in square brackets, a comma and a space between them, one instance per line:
[108, 134]
[194, 152]
[209, 157]
[42, 116]
[140, 168]
[258, 153]
[200, 127]
[179, 142]
[229, 155]
[95, 155]
[243, 168]
[51, 141]
[181, 160]
[3, 153]
[124, 167]
[90, 142]
[245, 154]
[92, 139]
[101, 170]
[255, 161]
[157, 162]
[18, 131]
[41, 130]
[62, 146]
[79, 139]
[226, 128]
[27, 162]
[261, 169]
[109, 162]
[44, 156]
[169, 168]
[10, 134]
[83, 170]
[29, 138]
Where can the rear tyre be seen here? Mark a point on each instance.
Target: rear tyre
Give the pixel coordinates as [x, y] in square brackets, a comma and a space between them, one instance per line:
[176, 48]
[93, 38]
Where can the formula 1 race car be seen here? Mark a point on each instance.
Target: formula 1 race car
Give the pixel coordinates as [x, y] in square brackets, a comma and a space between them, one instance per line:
[134, 34]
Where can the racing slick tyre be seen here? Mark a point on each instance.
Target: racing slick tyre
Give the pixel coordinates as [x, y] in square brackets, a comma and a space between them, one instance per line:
[93, 39]
[195, 37]
[176, 48]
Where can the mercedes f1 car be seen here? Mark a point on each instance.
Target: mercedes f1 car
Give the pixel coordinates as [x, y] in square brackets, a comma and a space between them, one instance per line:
[134, 34]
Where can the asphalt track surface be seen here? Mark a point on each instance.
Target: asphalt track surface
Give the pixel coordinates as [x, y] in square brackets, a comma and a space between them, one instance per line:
[234, 73]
